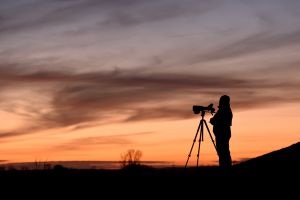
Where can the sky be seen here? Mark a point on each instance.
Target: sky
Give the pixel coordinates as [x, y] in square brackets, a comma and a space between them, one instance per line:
[90, 79]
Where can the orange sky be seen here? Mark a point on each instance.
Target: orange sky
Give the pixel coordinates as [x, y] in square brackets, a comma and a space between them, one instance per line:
[254, 132]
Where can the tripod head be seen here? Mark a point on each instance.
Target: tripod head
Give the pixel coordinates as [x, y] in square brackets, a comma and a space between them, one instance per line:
[202, 114]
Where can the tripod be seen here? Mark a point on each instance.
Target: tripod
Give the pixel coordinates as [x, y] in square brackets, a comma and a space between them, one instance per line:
[201, 138]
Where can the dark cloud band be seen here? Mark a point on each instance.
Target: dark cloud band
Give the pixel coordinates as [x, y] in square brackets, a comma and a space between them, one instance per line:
[78, 98]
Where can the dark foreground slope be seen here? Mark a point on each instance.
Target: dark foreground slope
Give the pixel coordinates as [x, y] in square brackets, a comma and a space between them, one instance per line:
[287, 158]
[281, 166]
[274, 174]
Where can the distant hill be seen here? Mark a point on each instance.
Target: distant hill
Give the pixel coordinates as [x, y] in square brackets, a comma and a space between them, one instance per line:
[287, 158]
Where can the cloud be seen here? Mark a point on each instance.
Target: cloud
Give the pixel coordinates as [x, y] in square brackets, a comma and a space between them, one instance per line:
[96, 96]
[50, 89]
[155, 11]
[80, 99]
[121, 139]
[29, 15]
[23, 131]
[251, 44]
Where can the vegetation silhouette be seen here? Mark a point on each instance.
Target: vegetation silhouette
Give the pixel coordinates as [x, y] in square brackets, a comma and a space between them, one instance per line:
[131, 162]
[131, 158]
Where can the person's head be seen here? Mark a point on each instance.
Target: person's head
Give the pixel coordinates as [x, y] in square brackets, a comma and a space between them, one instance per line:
[224, 101]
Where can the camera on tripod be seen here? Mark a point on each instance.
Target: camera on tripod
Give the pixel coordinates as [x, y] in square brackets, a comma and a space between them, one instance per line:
[202, 124]
[197, 109]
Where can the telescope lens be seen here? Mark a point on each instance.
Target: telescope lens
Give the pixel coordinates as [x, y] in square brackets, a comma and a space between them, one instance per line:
[196, 110]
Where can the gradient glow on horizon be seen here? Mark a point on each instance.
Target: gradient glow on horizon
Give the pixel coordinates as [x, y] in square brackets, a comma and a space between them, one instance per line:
[89, 79]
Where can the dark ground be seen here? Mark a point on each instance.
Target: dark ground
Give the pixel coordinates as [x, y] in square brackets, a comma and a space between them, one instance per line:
[150, 183]
[274, 175]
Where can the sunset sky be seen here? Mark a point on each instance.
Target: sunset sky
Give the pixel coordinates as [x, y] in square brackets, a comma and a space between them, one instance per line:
[89, 79]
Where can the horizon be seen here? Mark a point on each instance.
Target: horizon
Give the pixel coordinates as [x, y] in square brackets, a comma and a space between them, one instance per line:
[82, 164]
[277, 155]
[88, 80]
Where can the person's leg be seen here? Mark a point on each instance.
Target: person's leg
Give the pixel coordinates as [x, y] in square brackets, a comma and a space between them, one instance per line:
[227, 156]
[222, 145]
[227, 149]
[221, 148]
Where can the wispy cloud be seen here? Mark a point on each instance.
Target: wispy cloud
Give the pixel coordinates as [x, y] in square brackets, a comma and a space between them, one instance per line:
[121, 139]
[57, 59]
[155, 11]
[19, 16]
[253, 44]
[89, 97]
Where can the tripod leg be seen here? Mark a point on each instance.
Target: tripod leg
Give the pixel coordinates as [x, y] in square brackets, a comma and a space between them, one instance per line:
[193, 145]
[200, 139]
[210, 136]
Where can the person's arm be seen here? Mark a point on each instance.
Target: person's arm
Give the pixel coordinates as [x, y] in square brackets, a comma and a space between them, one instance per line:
[214, 119]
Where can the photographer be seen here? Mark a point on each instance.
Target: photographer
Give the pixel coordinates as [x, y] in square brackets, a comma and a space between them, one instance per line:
[222, 122]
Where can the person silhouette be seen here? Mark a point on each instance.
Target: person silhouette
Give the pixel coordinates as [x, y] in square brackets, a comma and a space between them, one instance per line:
[222, 122]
